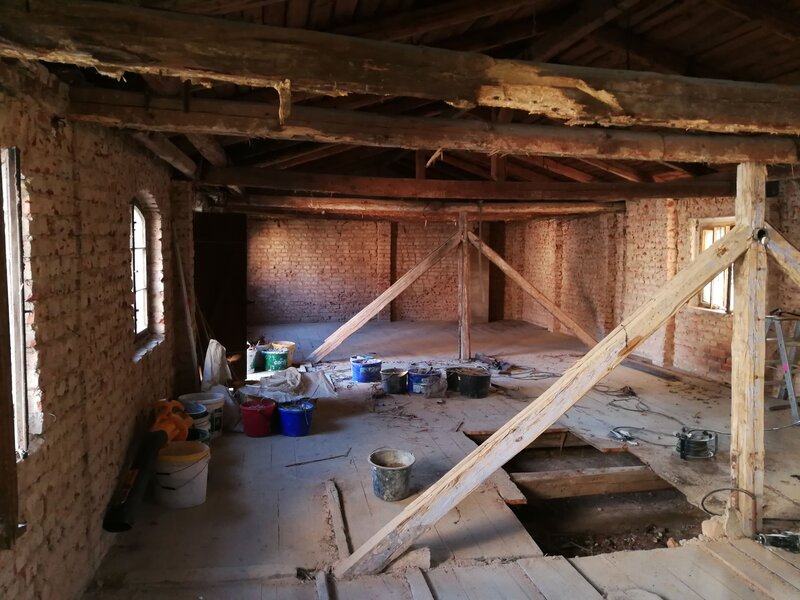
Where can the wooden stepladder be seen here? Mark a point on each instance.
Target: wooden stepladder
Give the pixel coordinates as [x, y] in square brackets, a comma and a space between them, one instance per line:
[785, 361]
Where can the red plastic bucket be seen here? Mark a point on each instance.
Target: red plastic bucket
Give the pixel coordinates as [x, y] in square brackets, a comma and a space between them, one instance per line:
[257, 417]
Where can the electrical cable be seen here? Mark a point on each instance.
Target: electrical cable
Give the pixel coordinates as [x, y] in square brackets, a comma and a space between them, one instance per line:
[722, 489]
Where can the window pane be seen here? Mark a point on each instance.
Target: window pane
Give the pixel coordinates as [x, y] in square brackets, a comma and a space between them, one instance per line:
[139, 229]
[140, 271]
[707, 236]
[141, 310]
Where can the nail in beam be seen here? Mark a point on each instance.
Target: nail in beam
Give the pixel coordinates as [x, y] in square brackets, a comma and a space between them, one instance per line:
[433, 504]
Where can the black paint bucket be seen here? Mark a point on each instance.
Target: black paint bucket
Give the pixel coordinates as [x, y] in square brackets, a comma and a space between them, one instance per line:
[452, 378]
[395, 381]
[474, 382]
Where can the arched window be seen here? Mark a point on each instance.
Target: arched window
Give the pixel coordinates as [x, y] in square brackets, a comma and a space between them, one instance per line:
[140, 272]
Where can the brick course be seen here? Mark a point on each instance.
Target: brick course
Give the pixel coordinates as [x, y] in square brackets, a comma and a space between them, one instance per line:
[78, 182]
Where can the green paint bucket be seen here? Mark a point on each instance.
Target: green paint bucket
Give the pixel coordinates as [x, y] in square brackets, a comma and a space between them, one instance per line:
[277, 359]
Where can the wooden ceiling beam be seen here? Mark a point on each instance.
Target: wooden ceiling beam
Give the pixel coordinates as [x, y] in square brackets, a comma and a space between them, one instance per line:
[651, 54]
[114, 38]
[255, 119]
[465, 190]
[398, 26]
[160, 145]
[429, 210]
[783, 21]
[209, 148]
[208, 7]
[620, 170]
[589, 16]
[559, 168]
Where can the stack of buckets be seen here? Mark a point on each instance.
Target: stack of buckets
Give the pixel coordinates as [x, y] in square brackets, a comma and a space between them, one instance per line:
[182, 466]
[275, 357]
[213, 403]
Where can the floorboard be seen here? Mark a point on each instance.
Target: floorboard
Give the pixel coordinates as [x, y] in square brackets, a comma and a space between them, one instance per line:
[263, 520]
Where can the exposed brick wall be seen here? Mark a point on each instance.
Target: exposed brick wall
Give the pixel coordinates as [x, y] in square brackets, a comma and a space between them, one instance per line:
[77, 188]
[432, 297]
[314, 270]
[568, 262]
[327, 270]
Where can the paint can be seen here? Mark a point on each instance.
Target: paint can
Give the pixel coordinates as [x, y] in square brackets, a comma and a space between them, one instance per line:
[391, 473]
[395, 381]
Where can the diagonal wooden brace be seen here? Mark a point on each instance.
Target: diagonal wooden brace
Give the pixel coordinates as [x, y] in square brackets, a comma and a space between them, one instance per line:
[373, 308]
[433, 504]
[583, 335]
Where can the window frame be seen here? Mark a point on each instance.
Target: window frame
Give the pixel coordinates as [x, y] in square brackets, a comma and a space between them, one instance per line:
[144, 334]
[10, 527]
[712, 224]
[14, 276]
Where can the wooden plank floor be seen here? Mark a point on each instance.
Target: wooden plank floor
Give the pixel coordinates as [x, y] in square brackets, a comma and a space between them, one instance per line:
[693, 572]
[725, 570]
[688, 401]
[263, 520]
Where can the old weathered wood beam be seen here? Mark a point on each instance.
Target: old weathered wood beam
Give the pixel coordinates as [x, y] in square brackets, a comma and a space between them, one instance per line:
[464, 285]
[589, 482]
[590, 15]
[436, 501]
[786, 255]
[334, 340]
[160, 145]
[748, 355]
[115, 38]
[257, 119]
[431, 210]
[467, 190]
[550, 306]
[209, 148]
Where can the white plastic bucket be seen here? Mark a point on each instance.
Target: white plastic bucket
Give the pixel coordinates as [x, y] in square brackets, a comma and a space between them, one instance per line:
[182, 474]
[214, 402]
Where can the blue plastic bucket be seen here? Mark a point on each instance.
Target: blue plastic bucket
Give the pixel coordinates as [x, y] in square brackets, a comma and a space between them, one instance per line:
[416, 377]
[295, 418]
[366, 369]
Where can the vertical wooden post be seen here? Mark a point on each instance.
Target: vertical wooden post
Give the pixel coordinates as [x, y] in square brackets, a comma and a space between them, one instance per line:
[464, 352]
[747, 354]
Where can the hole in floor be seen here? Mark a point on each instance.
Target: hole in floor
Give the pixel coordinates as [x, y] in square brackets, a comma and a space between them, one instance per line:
[582, 501]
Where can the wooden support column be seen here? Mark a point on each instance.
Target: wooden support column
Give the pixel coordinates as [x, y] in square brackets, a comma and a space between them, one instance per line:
[377, 305]
[747, 354]
[435, 502]
[464, 350]
[550, 306]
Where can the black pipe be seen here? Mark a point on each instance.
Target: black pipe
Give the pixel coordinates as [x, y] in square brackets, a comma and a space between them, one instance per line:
[125, 504]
